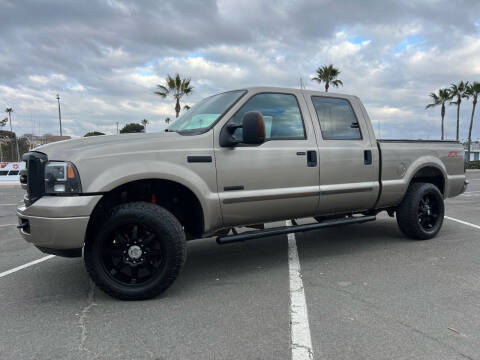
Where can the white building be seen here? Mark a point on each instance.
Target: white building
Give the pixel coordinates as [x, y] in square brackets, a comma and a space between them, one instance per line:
[474, 151]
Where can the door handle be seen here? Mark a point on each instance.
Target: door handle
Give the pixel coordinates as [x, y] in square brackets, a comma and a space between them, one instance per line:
[367, 157]
[311, 158]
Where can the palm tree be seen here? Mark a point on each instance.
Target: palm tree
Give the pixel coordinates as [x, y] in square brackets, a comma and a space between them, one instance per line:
[458, 92]
[186, 107]
[144, 123]
[167, 120]
[328, 75]
[9, 112]
[473, 90]
[176, 87]
[440, 99]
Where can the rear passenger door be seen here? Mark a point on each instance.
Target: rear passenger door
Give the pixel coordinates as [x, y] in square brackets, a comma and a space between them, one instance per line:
[348, 156]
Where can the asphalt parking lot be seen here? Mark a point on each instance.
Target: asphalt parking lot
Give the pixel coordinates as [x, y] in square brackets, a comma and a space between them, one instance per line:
[370, 293]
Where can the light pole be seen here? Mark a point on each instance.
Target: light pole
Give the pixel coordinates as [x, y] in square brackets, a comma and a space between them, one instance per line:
[59, 114]
[117, 127]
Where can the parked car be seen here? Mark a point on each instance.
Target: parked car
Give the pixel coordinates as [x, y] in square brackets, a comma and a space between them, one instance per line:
[247, 157]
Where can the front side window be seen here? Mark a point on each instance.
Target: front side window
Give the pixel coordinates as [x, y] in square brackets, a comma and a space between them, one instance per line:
[281, 114]
[202, 115]
[337, 119]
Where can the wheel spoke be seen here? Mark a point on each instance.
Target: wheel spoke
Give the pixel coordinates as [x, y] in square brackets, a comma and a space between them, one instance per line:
[120, 237]
[134, 233]
[134, 271]
[114, 252]
[154, 252]
[148, 239]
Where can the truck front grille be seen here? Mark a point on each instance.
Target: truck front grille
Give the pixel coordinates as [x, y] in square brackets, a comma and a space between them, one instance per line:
[32, 178]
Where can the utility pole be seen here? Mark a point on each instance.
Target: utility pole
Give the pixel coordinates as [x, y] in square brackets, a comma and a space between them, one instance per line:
[117, 127]
[59, 115]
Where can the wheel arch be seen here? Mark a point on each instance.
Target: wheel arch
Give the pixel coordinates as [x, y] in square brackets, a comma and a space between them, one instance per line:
[171, 195]
[432, 174]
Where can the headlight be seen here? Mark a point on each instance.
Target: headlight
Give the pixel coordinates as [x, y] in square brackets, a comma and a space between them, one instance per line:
[62, 178]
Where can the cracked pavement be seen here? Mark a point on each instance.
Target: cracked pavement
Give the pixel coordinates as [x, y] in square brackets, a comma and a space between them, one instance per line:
[370, 292]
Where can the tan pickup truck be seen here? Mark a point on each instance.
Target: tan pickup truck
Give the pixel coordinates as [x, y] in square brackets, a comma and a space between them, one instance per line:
[247, 157]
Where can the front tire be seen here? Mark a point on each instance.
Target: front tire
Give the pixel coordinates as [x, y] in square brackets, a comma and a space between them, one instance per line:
[420, 214]
[137, 253]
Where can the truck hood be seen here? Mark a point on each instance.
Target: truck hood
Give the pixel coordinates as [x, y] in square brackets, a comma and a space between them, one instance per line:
[110, 145]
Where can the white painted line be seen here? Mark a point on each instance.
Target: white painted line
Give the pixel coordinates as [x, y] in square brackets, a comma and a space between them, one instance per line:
[463, 222]
[470, 192]
[7, 225]
[9, 204]
[300, 329]
[8, 272]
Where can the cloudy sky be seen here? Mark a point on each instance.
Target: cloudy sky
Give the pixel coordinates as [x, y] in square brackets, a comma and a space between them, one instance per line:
[104, 58]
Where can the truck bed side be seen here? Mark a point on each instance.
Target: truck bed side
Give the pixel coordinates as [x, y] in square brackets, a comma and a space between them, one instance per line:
[404, 161]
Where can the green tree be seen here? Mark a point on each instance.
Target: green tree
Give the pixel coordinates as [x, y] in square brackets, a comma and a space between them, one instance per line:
[186, 107]
[93, 133]
[473, 90]
[328, 75]
[6, 140]
[132, 128]
[167, 120]
[458, 92]
[177, 88]
[440, 99]
[3, 123]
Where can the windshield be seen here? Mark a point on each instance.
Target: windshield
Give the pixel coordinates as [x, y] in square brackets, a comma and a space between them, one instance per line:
[206, 112]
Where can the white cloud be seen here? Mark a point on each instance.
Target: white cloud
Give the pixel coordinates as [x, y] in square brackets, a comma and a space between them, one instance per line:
[105, 59]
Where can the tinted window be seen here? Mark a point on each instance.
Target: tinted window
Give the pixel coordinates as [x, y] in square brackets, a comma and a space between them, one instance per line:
[13, 172]
[337, 119]
[3, 172]
[281, 114]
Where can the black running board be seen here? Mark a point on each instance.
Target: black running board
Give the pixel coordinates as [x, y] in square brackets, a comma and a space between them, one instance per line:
[257, 234]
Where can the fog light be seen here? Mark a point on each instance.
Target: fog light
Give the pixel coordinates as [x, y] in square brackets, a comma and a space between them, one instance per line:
[59, 188]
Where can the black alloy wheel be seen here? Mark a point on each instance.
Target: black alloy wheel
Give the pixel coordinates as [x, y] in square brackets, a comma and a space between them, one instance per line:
[137, 253]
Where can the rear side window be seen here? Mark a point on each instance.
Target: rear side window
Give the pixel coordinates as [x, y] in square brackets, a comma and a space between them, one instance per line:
[281, 114]
[337, 119]
[13, 172]
[3, 172]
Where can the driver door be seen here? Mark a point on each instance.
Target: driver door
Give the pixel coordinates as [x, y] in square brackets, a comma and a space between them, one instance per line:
[278, 179]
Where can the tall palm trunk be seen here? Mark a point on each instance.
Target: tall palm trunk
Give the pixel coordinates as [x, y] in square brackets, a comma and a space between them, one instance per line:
[470, 129]
[177, 107]
[458, 119]
[327, 85]
[443, 121]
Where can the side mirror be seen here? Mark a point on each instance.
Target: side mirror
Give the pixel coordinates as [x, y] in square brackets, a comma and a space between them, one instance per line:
[253, 128]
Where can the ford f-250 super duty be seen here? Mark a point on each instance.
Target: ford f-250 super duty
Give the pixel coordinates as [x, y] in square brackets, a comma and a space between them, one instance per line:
[128, 203]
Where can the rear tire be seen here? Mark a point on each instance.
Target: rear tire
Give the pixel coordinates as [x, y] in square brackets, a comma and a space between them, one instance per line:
[420, 214]
[137, 253]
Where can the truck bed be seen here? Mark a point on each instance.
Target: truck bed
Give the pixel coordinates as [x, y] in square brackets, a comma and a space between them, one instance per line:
[401, 160]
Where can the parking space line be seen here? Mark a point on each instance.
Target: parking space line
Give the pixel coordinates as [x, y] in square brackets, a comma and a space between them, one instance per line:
[8, 272]
[300, 329]
[8, 204]
[7, 225]
[463, 222]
